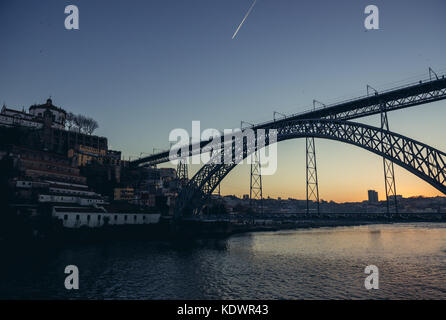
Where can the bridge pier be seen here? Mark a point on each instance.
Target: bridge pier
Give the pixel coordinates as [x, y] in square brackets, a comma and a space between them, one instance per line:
[311, 176]
[182, 172]
[389, 173]
[255, 186]
[312, 184]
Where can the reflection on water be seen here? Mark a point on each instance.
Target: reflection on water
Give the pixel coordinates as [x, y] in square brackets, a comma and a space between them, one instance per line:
[325, 263]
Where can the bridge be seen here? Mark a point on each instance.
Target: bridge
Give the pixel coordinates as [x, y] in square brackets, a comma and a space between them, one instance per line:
[332, 122]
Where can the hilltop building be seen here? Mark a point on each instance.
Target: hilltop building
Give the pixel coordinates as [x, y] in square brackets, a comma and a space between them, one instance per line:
[36, 117]
[46, 124]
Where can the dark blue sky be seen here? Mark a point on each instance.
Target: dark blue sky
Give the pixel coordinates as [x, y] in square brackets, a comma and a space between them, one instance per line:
[142, 68]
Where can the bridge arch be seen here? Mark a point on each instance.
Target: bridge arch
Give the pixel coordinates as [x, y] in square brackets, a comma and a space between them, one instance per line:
[418, 158]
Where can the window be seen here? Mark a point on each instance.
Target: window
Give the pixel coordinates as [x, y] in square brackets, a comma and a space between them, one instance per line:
[134, 217]
[77, 217]
[116, 217]
[99, 218]
[88, 217]
[125, 218]
[65, 217]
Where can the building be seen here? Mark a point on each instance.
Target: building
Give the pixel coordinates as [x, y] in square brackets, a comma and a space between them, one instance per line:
[113, 158]
[373, 196]
[47, 128]
[124, 194]
[61, 140]
[146, 198]
[12, 118]
[75, 217]
[83, 155]
[50, 178]
[36, 165]
[35, 117]
[57, 115]
[49, 181]
[167, 174]
[58, 193]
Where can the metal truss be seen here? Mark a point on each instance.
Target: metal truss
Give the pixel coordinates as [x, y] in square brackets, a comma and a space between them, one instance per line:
[255, 185]
[418, 158]
[182, 173]
[408, 96]
[389, 172]
[391, 102]
[312, 181]
[217, 191]
[312, 185]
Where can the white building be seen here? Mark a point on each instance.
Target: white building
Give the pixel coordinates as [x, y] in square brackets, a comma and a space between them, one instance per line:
[60, 198]
[76, 217]
[78, 206]
[35, 117]
[59, 192]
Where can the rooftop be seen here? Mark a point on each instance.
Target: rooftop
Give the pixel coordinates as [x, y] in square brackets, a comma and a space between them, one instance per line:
[48, 105]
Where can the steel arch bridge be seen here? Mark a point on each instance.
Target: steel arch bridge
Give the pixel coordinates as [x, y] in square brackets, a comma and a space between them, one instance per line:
[418, 158]
[426, 91]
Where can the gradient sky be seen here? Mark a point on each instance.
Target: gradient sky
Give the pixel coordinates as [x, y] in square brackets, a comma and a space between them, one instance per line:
[142, 68]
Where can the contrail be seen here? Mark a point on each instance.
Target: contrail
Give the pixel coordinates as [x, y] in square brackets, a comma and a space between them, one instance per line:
[246, 16]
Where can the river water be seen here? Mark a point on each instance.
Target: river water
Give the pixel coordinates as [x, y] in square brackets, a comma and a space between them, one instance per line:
[326, 263]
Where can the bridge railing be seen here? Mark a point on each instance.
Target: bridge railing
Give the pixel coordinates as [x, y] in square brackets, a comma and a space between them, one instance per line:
[339, 102]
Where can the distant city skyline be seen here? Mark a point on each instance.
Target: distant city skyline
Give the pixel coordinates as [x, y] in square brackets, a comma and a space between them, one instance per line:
[162, 65]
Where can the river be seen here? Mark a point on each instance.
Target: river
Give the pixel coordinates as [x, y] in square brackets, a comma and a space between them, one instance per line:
[325, 263]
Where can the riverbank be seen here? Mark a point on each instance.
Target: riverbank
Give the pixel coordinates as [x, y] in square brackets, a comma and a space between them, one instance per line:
[308, 225]
[225, 229]
[325, 223]
[188, 230]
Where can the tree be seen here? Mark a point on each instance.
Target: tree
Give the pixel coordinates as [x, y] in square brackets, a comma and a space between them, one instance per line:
[82, 123]
[91, 125]
[79, 122]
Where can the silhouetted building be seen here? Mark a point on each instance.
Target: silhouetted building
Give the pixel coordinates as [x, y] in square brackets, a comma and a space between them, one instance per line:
[42, 166]
[124, 194]
[57, 115]
[36, 116]
[45, 125]
[373, 196]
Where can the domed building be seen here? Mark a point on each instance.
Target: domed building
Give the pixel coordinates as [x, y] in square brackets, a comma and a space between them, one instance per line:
[35, 118]
[58, 115]
[46, 123]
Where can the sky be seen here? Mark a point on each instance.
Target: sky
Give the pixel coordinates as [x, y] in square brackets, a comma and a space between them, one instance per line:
[143, 68]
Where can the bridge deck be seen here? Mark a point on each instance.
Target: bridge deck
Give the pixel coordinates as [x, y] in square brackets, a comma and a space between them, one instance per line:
[392, 99]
